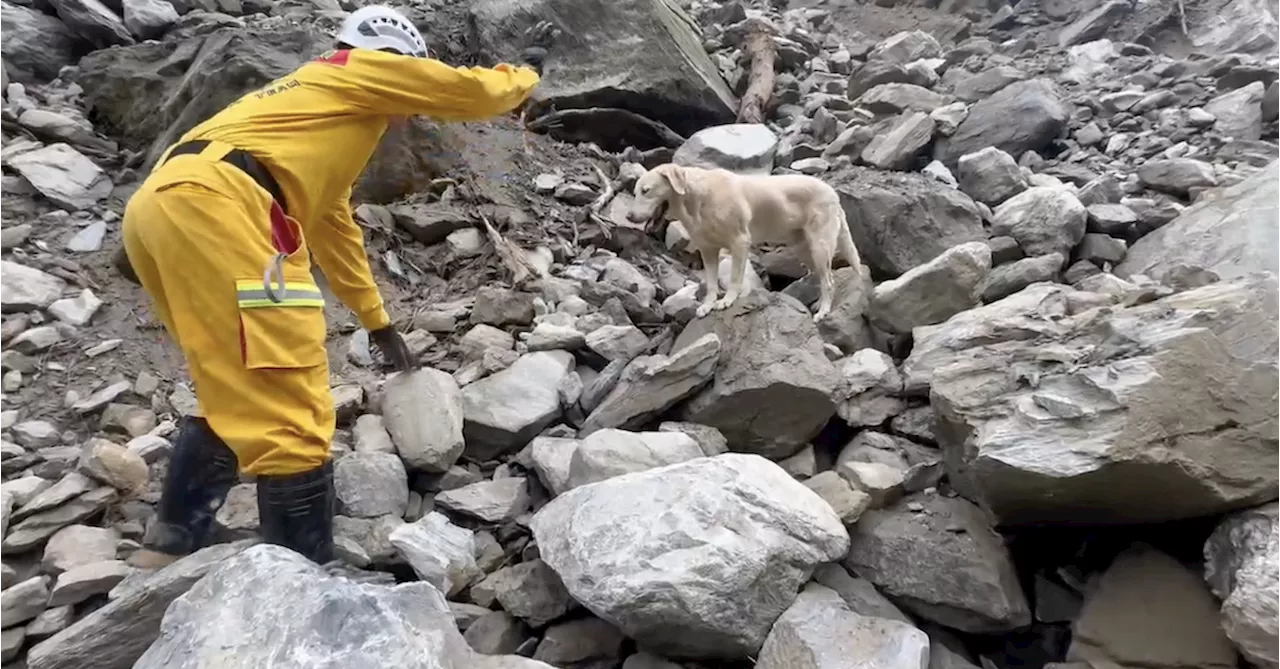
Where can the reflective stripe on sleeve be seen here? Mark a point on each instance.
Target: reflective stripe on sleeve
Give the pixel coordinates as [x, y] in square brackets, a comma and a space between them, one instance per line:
[251, 295]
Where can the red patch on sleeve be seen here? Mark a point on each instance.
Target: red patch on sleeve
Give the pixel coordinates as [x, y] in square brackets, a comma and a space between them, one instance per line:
[338, 58]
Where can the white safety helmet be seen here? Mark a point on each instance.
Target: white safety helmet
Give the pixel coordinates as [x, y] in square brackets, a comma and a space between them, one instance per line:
[381, 27]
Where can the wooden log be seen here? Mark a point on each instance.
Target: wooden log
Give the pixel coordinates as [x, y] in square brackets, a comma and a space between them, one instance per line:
[760, 50]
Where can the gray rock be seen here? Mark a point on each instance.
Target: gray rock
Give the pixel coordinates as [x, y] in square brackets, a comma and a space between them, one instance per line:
[1240, 568]
[78, 545]
[617, 342]
[1023, 116]
[848, 502]
[1239, 112]
[502, 306]
[440, 552]
[497, 633]
[905, 47]
[482, 338]
[35, 45]
[990, 176]
[1110, 628]
[772, 388]
[370, 485]
[84, 581]
[858, 593]
[746, 148]
[650, 385]
[88, 239]
[1101, 249]
[371, 435]
[552, 457]
[1112, 219]
[24, 601]
[504, 411]
[149, 19]
[712, 600]
[1043, 220]
[1153, 365]
[1094, 24]
[1231, 232]
[62, 174]
[608, 453]
[898, 146]
[27, 288]
[50, 622]
[581, 640]
[116, 635]
[986, 82]
[34, 529]
[552, 337]
[370, 537]
[114, 465]
[870, 388]
[269, 606]
[78, 311]
[886, 467]
[896, 98]
[239, 511]
[93, 22]
[531, 591]
[818, 631]
[490, 501]
[913, 558]
[1006, 280]
[423, 412]
[11, 641]
[1176, 175]
[650, 60]
[902, 220]
[932, 292]
[872, 74]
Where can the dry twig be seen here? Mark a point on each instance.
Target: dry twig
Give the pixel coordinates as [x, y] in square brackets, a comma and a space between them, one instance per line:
[597, 207]
[511, 255]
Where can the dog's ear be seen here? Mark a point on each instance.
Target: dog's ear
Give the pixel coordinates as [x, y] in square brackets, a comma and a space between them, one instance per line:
[677, 178]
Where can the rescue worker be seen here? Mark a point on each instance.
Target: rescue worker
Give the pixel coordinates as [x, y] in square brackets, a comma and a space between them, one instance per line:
[221, 236]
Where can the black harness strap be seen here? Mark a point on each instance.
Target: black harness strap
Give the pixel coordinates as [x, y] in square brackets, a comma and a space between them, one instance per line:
[241, 160]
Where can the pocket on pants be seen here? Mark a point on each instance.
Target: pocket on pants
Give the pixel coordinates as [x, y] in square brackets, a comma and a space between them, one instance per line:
[281, 335]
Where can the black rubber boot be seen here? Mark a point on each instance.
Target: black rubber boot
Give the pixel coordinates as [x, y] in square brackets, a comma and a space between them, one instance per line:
[296, 511]
[202, 470]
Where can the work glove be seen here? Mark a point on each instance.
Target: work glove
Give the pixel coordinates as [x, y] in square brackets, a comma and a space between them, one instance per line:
[393, 348]
[539, 39]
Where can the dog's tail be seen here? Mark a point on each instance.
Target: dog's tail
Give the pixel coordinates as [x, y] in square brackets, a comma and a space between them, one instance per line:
[844, 241]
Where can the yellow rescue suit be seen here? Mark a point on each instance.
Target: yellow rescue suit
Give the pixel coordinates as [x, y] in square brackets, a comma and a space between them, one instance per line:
[199, 235]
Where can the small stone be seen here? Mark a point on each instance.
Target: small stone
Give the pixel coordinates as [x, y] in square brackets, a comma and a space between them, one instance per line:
[490, 501]
[80, 583]
[847, 502]
[114, 465]
[77, 311]
[88, 239]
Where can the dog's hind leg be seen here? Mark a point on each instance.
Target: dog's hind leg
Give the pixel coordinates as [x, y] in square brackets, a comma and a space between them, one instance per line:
[821, 253]
[739, 249]
[710, 272]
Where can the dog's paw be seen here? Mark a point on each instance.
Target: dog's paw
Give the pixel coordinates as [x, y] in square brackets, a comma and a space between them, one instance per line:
[703, 310]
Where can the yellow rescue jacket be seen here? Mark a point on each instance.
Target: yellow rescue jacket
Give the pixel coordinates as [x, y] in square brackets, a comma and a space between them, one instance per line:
[317, 127]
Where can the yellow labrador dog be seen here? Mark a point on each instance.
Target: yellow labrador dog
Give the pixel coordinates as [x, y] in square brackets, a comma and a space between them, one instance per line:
[724, 210]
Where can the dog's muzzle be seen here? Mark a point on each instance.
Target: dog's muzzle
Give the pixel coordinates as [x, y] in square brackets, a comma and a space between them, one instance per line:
[649, 220]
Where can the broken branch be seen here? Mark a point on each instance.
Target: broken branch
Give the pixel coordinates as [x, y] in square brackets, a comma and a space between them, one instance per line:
[511, 255]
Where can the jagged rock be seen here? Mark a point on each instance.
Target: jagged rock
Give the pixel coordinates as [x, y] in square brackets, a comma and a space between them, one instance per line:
[497, 633]
[24, 601]
[1241, 559]
[858, 593]
[847, 501]
[114, 465]
[990, 176]
[818, 631]
[78, 310]
[116, 635]
[898, 146]
[551, 337]
[650, 385]
[1177, 175]
[932, 292]
[902, 220]
[869, 388]
[608, 453]
[424, 416]
[63, 174]
[644, 57]
[35, 45]
[531, 591]
[1110, 218]
[712, 601]
[772, 387]
[370, 485]
[886, 467]
[1149, 610]
[27, 288]
[1094, 23]
[906, 46]
[913, 556]
[872, 74]
[78, 545]
[746, 148]
[1102, 250]
[431, 222]
[1239, 112]
[93, 22]
[490, 501]
[482, 338]
[986, 82]
[551, 458]
[502, 306]
[896, 98]
[238, 615]
[1023, 116]
[1044, 220]
[149, 19]
[504, 411]
[440, 552]
[1151, 378]
[617, 342]
[1008, 279]
[1231, 232]
[580, 641]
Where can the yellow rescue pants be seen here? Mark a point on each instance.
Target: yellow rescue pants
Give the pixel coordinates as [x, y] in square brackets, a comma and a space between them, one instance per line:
[198, 235]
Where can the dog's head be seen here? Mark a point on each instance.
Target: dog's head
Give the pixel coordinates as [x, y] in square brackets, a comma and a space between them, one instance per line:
[654, 191]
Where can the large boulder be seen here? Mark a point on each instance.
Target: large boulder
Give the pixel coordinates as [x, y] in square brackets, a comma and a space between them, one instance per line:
[35, 45]
[746, 148]
[639, 55]
[422, 412]
[504, 411]
[771, 392]
[1242, 560]
[649, 551]
[1234, 26]
[1231, 231]
[1023, 116]
[932, 292]
[936, 557]
[903, 220]
[1149, 413]
[652, 384]
[93, 21]
[272, 607]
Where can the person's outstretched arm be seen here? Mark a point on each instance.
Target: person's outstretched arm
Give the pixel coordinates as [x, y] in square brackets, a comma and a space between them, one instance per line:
[337, 244]
[385, 83]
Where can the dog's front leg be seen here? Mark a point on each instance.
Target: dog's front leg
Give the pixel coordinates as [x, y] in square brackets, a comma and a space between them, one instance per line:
[737, 273]
[710, 265]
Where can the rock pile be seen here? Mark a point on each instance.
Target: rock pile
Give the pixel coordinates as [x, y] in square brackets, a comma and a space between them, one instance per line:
[1040, 430]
